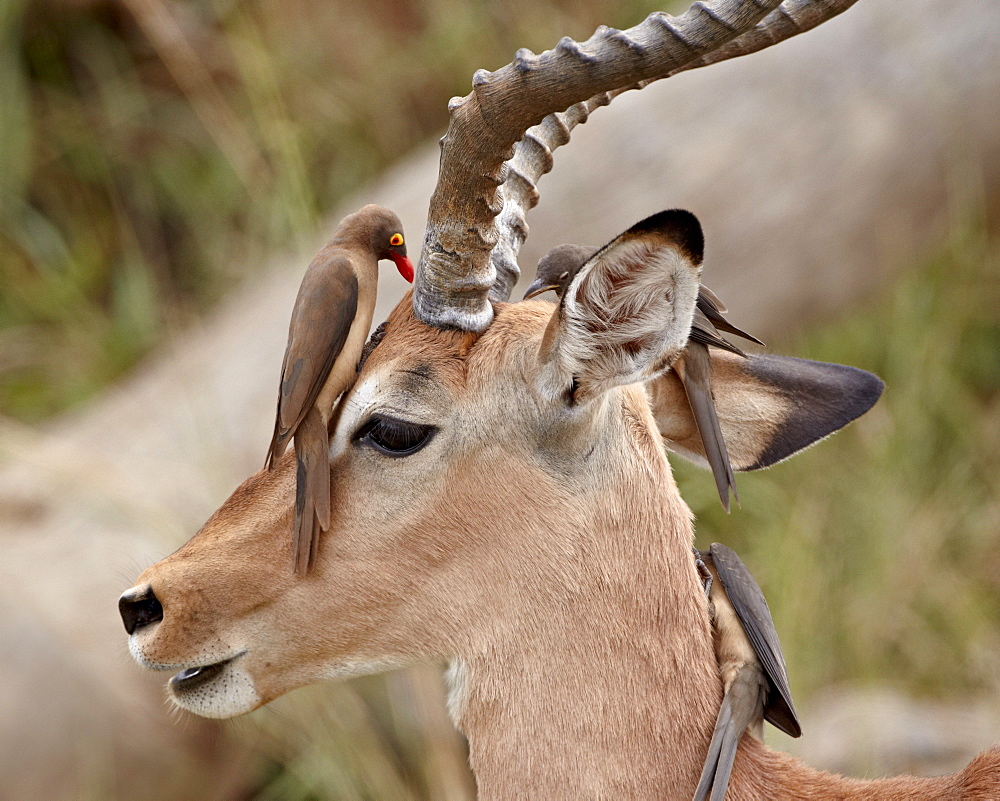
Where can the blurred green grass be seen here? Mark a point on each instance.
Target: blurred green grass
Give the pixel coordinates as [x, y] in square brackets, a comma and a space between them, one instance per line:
[153, 153]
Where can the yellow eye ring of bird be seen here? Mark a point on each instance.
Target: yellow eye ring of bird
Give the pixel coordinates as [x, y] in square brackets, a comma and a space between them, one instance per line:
[396, 240]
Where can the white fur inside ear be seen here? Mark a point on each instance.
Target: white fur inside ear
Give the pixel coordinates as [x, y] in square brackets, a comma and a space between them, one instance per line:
[625, 317]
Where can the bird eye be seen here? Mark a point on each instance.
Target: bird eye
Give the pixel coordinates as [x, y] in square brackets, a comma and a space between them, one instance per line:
[395, 437]
[396, 240]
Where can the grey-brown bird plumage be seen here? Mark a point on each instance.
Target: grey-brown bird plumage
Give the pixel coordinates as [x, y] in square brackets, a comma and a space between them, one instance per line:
[559, 266]
[327, 332]
[755, 681]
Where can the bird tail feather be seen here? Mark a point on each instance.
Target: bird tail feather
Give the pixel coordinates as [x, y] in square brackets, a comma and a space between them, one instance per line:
[741, 706]
[312, 489]
[696, 376]
[723, 723]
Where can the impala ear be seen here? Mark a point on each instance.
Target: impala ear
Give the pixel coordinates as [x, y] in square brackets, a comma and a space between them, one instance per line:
[626, 315]
[769, 407]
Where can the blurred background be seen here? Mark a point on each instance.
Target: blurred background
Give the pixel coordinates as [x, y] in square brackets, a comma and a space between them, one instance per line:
[167, 169]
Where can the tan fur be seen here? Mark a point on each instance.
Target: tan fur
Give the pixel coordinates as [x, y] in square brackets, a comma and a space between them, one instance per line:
[542, 550]
[749, 412]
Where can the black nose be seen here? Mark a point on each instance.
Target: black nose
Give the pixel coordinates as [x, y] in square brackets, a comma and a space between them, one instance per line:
[139, 607]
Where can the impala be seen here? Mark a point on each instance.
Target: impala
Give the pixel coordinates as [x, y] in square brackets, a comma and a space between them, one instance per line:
[501, 496]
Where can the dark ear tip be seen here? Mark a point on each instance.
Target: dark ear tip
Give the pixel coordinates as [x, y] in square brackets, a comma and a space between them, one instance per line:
[822, 397]
[680, 226]
[865, 388]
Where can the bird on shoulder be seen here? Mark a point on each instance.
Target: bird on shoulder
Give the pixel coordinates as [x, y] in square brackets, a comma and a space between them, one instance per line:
[754, 678]
[329, 326]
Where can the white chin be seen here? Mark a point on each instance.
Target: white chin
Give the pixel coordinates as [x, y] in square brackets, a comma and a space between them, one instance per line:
[215, 691]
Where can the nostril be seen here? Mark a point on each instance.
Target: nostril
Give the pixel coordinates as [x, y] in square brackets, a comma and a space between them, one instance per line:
[139, 607]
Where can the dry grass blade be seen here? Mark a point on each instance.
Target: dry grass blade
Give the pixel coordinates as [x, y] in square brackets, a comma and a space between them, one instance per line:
[160, 24]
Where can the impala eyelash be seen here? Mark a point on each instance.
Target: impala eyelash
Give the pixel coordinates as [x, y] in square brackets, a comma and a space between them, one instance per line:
[394, 437]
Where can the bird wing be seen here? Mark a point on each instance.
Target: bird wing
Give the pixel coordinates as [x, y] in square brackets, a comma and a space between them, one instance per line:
[752, 610]
[324, 312]
[695, 372]
[713, 309]
[703, 331]
[707, 297]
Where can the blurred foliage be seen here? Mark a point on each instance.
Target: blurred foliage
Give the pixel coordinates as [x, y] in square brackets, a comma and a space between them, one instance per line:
[879, 549]
[377, 737]
[153, 153]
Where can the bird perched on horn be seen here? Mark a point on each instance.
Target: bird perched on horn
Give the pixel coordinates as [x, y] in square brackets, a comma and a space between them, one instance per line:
[561, 264]
[754, 679]
[329, 325]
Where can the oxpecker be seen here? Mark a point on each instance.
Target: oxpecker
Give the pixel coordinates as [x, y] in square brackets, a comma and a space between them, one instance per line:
[754, 679]
[330, 321]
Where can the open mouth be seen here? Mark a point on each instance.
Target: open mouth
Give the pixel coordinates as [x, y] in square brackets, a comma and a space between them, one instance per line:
[193, 677]
[222, 689]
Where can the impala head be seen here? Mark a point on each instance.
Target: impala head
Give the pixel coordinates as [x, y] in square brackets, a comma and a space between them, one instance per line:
[452, 456]
[489, 455]
[468, 472]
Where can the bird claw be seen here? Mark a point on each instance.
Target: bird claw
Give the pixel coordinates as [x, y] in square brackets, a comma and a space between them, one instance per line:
[703, 572]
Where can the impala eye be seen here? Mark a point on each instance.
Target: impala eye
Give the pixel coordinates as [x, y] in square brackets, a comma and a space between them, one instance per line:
[395, 437]
[396, 240]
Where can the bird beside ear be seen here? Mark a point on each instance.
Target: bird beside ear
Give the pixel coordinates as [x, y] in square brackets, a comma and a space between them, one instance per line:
[557, 269]
[624, 314]
[326, 335]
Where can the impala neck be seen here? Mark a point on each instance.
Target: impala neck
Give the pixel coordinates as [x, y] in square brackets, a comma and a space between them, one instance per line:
[608, 687]
[611, 690]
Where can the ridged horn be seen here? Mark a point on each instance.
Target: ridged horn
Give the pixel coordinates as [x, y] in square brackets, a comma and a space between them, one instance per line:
[455, 274]
[500, 137]
[533, 154]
